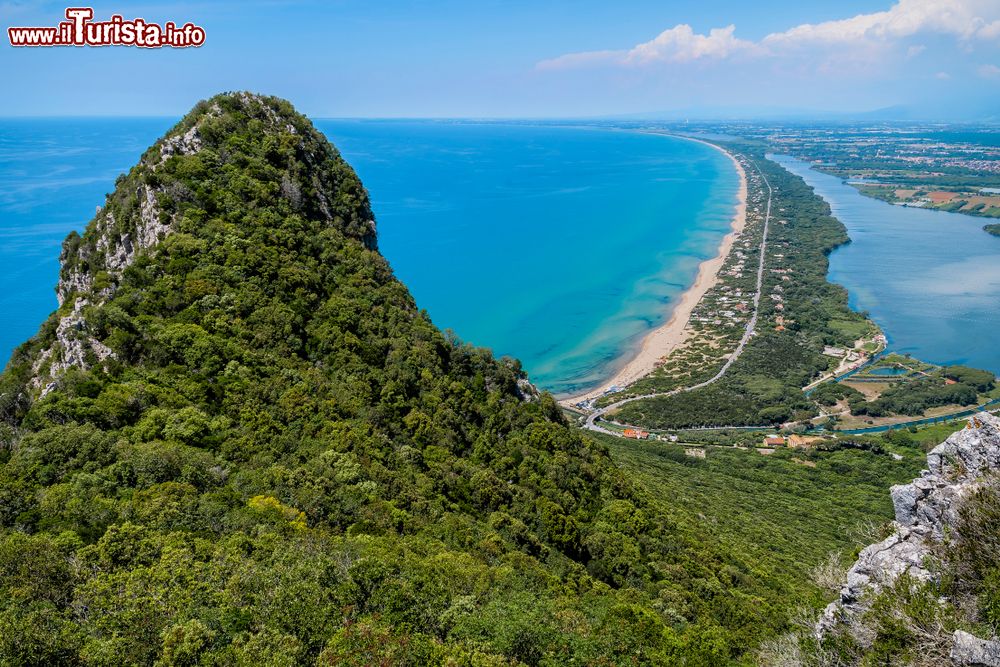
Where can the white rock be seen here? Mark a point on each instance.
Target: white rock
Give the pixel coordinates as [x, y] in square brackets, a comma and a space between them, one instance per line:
[971, 651]
[924, 508]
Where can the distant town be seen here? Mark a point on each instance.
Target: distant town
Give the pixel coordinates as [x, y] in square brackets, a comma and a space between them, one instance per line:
[920, 165]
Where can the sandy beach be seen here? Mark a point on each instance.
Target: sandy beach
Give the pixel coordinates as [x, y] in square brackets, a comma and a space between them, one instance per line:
[663, 340]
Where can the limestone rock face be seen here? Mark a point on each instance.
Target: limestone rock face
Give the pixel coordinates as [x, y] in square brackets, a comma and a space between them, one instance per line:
[971, 651]
[925, 509]
[74, 346]
[117, 242]
[114, 248]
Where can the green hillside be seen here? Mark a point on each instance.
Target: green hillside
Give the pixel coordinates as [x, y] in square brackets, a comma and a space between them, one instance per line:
[785, 512]
[238, 441]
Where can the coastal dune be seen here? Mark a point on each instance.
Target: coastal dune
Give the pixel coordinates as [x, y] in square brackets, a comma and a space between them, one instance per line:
[664, 339]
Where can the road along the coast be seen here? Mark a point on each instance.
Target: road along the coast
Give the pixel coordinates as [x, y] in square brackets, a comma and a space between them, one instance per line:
[748, 333]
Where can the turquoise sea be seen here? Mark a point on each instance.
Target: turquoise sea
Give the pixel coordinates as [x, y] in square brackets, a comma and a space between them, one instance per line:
[560, 246]
[930, 279]
[53, 175]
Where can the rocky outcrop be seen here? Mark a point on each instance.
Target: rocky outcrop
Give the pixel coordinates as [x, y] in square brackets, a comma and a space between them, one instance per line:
[74, 346]
[114, 248]
[116, 243]
[184, 144]
[109, 248]
[73, 279]
[970, 651]
[925, 510]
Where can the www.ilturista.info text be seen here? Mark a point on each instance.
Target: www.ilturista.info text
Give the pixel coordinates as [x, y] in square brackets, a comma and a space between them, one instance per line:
[81, 30]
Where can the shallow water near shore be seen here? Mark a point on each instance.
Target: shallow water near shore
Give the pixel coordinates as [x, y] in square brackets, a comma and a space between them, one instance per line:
[930, 279]
[560, 246]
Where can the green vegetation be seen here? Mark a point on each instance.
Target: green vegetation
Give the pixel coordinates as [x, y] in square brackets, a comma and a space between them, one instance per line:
[925, 437]
[284, 462]
[801, 315]
[765, 385]
[913, 622]
[786, 512]
[279, 460]
[900, 366]
[803, 515]
[951, 200]
[879, 192]
[979, 380]
[952, 385]
[992, 229]
[829, 393]
[973, 557]
[722, 437]
[921, 166]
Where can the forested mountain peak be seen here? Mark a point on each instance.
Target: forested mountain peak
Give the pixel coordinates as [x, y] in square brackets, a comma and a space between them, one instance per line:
[238, 441]
[236, 158]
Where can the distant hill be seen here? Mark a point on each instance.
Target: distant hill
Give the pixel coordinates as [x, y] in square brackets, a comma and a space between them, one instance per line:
[943, 112]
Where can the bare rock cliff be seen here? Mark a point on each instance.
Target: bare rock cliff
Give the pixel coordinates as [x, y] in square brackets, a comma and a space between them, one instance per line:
[925, 510]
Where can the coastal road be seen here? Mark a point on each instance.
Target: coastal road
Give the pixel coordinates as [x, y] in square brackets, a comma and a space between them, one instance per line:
[591, 423]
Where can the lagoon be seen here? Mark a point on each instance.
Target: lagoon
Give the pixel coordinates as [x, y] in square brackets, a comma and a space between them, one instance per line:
[930, 279]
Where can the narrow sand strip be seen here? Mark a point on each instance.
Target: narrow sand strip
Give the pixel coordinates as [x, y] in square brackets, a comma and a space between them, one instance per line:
[663, 340]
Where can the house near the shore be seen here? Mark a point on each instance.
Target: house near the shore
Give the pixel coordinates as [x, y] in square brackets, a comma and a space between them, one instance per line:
[635, 433]
[774, 441]
[803, 441]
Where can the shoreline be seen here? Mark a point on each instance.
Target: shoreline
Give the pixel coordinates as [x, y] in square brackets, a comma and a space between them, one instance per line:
[667, 337]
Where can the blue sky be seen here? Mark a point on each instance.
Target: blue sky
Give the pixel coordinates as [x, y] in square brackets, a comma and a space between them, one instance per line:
[557, 58]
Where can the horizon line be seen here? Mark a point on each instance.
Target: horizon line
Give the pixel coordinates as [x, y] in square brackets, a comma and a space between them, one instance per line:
[791, 117]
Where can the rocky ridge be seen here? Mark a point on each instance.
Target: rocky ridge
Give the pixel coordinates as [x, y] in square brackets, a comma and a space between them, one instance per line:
[114, 248]
[925, 510]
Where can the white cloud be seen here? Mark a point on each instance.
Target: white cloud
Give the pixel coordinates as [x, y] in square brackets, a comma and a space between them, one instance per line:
[571, 60]
[989, 71]
[679, 44]
[942, 76]
[682, 44]
[915, 50]
[989, 31]
[963, 19]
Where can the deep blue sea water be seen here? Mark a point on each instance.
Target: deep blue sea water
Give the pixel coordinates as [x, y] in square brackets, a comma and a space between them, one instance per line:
[560, 246]
[930, 279]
